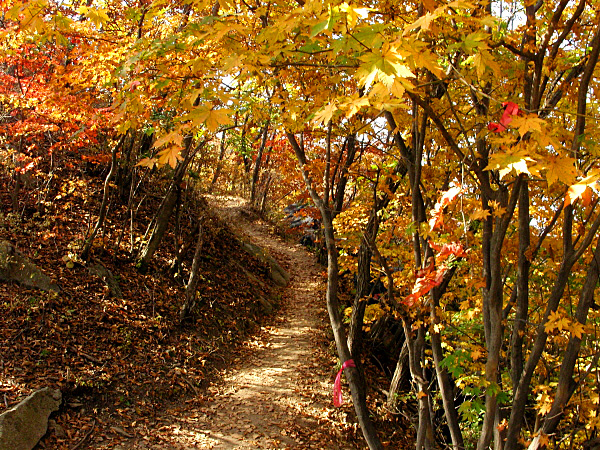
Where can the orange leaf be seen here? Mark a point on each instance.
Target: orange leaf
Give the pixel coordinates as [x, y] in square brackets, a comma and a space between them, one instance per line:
[575, 191]
[169, 155]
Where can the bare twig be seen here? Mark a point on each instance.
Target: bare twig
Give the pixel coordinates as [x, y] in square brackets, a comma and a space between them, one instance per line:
[87, 435]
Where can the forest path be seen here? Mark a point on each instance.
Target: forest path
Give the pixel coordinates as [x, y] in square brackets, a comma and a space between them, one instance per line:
[279, 396]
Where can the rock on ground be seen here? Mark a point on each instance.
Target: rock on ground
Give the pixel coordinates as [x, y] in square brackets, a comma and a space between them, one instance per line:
[22, 426]
[14, 266]
[276, 272]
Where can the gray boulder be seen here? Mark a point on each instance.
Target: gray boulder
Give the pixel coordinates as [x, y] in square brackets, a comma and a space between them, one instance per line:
[14, 266]
[22, 426]
[276, 272]
[102, 272]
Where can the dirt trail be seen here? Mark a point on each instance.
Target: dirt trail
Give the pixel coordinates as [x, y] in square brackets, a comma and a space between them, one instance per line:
[279, 397]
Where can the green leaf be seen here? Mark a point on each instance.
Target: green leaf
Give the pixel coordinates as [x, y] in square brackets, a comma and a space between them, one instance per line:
[506, 162]
[316, 29]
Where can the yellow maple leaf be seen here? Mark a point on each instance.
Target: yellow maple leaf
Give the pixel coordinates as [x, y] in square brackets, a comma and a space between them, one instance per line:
[472, 313]
[543, 439]
[563, 324]
[210, 117]
[170, 156]
[499, 212]
[217, 118]
[560, 169]
[484, 60]
[384, 66]
[147, 162]
[581, 189]
[325, 114]
[174, 137]
[577, 329]
[352, 14]
[544, 403]
[424, 22]
[355, 105]
[98, 16]
[509, 160]
[525, 124]
[553, 318]
[480, 213]
[397, 89]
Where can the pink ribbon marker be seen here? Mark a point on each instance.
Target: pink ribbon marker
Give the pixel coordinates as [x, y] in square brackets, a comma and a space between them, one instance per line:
[337, 386]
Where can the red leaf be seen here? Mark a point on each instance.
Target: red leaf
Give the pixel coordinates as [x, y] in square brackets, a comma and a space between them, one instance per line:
[511, 109]
[453, 248]
[495, 127]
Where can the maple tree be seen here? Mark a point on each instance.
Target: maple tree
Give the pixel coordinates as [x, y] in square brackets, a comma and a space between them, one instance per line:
[452, 144]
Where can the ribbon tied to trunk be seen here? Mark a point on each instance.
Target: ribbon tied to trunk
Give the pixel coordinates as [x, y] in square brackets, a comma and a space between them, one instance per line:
[337, 386]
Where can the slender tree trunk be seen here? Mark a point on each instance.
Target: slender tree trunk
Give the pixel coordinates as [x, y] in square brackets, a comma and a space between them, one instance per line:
[335, 317]
[87, 247]
[416, 348]
[190, 290]
[400, 376]
[333, 306]
[363, 280]
[566, 384]
[161, 223]
[123, 171]
[522, 302]
[445, 384]
[523, 388]
[176, 265]
[166, 209]
[222, 149]
[263, 201]
[16, 192]
[257, 164]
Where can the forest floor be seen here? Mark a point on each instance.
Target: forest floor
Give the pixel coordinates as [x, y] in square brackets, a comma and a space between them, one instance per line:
[134, 377]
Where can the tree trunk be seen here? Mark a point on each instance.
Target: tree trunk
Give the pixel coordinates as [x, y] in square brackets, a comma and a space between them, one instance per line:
[333, 306]
[522, 301]
[416, 350]
[159, 227]
[445, 384]
[176, 264]
[335, 317]
[566, 384]
[257, 164]
[399, 378]
[222, 149]
[87, 247]
[263, 201]
[363, 280]
[190, 290]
